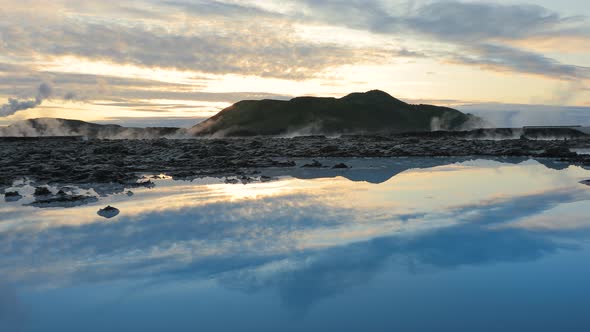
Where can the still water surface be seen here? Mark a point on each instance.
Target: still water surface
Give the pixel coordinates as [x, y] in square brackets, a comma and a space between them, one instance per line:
[394, 244]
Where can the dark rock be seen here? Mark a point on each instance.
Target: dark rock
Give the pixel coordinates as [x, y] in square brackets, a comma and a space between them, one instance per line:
[111, 149]
[246, 179]
[558, 152]
[35, 169]
[232, 181]
[63, 200]
[340, 166]
[42, 191]
[314, 164]
[108, 212]
[4, 181]
[12, 196]
[106, 175]
[145, 184]
[586, 182]
[289, 163]
[329, 149]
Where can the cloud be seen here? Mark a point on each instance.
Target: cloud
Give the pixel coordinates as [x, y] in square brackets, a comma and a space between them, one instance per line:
[405, 53]
[480, 32]
[246, 37]
[267, 48]
[483, 31]
[123, 91]
[474, 22]
[508, 59]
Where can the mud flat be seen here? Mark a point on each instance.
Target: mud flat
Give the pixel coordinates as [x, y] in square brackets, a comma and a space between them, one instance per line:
[68, 160]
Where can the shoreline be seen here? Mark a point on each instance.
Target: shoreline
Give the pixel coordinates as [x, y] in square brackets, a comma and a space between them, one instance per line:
[73, 160]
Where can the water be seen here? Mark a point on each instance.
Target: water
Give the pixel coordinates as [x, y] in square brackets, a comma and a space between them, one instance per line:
[581, 151]
[400, 244]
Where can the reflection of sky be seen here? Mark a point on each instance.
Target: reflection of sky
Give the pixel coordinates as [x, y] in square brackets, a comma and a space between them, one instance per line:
[310, 240]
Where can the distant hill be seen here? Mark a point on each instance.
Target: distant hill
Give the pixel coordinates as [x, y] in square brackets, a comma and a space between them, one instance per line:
[65, 127]
[373, 112]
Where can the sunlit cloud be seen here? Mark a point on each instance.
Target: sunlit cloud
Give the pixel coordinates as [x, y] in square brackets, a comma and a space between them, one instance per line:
[227, 50]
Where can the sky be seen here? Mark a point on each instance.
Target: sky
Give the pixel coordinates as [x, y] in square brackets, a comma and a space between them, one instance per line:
[176, 62]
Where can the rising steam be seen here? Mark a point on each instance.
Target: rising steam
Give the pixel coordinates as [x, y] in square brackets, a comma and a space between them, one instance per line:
[14, 105]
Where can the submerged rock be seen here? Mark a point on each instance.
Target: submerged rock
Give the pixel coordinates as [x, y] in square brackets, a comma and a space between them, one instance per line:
[314, 164]
[42, 191]
[108, 212]
[12, 196]
[289, 163]
[130, 193]
[231, 181]
[265, 178]
[340, 166]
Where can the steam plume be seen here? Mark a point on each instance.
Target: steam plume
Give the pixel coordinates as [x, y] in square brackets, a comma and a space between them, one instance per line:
[14, 105]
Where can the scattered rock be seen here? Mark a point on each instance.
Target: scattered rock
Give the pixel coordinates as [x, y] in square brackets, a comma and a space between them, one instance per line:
[42, 191]
[314, 164]
[68, 161]
[329, 149]
[265, 178]
[108, 212]
[340, 166]
[586, 182]
[130, 193]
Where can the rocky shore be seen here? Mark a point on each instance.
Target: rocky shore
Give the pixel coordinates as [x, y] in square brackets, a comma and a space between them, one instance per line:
[72, 160]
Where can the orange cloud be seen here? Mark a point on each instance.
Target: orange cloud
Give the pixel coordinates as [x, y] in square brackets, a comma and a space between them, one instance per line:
[561, 44]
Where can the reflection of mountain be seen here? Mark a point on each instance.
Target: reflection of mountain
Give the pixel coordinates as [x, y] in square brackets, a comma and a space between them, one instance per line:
[380, 170]
[368, 170]
[553, 164]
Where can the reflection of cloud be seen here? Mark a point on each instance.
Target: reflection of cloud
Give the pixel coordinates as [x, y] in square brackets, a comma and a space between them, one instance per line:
[506, 208]
[251, 241]
[12, 316]
[337, 269]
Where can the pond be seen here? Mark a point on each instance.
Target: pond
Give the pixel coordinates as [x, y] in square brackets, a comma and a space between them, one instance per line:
[409, 244]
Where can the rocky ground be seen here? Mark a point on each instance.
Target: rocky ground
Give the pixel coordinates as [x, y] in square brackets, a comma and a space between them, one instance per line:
[78, 161]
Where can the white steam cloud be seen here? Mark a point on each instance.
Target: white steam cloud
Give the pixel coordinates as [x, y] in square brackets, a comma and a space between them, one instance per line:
[14, 105]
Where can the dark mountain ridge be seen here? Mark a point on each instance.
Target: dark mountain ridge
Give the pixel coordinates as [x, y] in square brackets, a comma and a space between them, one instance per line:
[373, 112]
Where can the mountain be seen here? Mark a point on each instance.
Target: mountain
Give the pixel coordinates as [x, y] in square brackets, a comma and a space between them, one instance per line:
[373, 112]
[65, 127]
